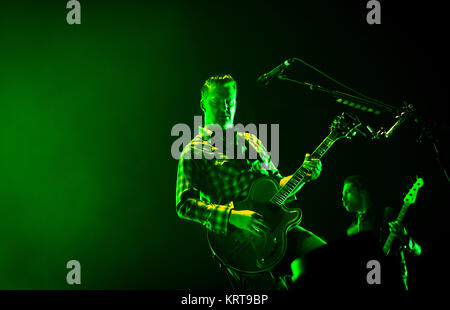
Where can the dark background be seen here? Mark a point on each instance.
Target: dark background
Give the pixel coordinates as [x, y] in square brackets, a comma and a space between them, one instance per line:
[87, 110]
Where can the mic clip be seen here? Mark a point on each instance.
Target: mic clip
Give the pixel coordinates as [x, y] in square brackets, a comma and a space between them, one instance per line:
[402, 116]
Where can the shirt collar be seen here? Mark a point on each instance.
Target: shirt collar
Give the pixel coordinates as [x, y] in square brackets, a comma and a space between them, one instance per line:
[206, 133]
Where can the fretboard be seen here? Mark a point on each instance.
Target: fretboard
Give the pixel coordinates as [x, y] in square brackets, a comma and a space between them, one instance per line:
[299, 176]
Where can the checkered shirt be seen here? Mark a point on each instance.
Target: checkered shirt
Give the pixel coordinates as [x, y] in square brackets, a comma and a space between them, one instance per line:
[208, 181]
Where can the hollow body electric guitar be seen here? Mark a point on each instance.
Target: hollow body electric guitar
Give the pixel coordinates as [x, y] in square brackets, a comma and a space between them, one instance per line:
[244, 252]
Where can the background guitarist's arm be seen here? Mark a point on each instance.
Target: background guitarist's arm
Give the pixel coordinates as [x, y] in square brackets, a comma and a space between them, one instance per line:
[407, 241]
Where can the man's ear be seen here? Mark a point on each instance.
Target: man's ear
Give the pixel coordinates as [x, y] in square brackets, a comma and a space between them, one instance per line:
[364, 194]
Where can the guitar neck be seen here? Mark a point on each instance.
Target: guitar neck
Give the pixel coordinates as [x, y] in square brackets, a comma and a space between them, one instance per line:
[390, 239]
[299, 176]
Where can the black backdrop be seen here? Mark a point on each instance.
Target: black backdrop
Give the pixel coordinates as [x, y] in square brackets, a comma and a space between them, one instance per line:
[133, 69]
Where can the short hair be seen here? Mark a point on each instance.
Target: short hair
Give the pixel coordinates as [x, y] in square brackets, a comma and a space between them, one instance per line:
[360, 182]
[216, 80]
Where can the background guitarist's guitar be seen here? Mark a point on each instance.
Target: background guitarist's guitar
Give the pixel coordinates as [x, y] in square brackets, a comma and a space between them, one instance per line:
[244, 252]
[409, 199]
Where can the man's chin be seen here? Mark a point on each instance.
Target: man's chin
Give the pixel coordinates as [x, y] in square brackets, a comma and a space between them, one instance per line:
[228, 126]
[223, 125]
[347, 208]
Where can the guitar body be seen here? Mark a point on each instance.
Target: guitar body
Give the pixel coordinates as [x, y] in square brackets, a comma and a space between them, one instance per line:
[244, 252]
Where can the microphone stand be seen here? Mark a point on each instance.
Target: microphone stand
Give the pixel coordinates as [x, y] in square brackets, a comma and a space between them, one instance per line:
[373, 106]
[401, 116]
[377, 107]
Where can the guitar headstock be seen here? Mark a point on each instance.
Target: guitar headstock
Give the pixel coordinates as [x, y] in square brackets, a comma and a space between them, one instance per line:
[344, 126]
[410, 198]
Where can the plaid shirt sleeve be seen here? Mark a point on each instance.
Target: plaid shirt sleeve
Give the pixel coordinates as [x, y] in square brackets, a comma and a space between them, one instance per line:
[192, 204]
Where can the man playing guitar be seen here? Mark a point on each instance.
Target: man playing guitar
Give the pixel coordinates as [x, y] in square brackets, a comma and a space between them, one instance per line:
[208, 186]
[371, 216]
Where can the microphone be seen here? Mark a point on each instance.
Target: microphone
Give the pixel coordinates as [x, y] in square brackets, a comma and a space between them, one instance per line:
[267, 77]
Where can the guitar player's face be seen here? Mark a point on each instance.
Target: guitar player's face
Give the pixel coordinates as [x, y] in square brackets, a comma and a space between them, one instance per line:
[351, 198]
[220, 106]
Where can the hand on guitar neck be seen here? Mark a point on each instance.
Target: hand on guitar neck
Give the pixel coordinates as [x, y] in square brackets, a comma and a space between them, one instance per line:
[314, 165]
[399, 231]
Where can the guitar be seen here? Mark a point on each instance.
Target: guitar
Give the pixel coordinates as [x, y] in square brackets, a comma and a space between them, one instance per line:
[409, 199]
[246, 253]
